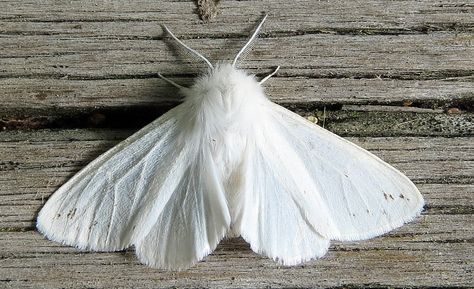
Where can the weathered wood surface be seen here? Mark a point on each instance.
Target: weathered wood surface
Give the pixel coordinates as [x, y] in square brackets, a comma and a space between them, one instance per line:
[439, 244]
[35, 163]
[396, 77]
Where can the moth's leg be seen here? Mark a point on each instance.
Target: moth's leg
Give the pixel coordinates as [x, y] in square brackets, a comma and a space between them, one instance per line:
[270, 75]
[171, 82]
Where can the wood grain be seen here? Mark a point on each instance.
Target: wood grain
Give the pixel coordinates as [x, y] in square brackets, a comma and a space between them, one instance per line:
[382, 262]
[38, 162]
[396, 77]
[103, 56]
[39, 97]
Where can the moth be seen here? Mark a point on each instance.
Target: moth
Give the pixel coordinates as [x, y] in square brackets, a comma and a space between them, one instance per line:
[228, 162]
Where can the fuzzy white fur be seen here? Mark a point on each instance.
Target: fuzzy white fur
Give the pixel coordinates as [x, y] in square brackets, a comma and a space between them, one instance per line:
[228, 162]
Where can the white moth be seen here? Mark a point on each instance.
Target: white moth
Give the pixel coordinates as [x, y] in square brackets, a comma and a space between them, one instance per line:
[228, 162]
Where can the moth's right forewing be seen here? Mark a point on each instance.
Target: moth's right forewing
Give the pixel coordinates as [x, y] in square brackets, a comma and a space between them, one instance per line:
[103, 204]
[147, 191]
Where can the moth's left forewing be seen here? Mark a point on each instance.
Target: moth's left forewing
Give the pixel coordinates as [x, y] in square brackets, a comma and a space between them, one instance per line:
[354, 195]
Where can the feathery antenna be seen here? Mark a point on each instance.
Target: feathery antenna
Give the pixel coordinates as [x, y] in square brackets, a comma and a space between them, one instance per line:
[188, 48]
[270, 75]
[254, 35]
[171, 82]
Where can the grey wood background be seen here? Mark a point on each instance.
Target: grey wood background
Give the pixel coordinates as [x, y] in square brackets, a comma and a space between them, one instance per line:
[396, 77]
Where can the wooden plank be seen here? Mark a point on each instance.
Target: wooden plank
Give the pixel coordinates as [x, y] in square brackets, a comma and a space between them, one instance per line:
[29, 261]
[400, 56]
[344, 120]
[438, 244]
[385, 73]
[361, 16]
[36, 163]
[99, 59]
[29, 96]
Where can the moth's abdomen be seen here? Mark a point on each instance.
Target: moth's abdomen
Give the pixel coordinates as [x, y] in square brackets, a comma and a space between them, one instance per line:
[225, 109]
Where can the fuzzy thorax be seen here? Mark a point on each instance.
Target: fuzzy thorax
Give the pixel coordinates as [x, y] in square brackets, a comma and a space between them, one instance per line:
[226, 87]
[224, 100]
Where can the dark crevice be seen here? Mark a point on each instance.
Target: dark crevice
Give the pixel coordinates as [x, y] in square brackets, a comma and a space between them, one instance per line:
[413, 235]
[448, 241]
[14, 280]
[437, 160]
[452, 210]
[336, 118]
[451, 180]
[49, 54]
[151, 75]
[425, 28]
[420, 29]
[445, 75]
[464, 103]
[124, 118]
[20, 18]
[17, 229]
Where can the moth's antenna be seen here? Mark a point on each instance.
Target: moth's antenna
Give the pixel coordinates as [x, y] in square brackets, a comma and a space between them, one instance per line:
[171, 82]
[249, 41]
[270, 75]
[188, 48]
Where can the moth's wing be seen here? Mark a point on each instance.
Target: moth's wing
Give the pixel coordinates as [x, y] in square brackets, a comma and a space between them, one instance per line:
[305, 185]
[148, 181]
[271, 220]
[192, 222]
[346, 192]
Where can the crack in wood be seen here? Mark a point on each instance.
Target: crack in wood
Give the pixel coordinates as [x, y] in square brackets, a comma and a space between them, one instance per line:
[448, 74]
[343, 122]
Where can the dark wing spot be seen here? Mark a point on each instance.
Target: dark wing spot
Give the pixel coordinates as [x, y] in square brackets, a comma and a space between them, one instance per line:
[71, 213]
[385, 196]
[401, 196]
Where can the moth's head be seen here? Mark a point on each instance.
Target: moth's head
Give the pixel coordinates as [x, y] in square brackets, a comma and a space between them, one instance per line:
[225, 85]
[227, 79]
[224, 79]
